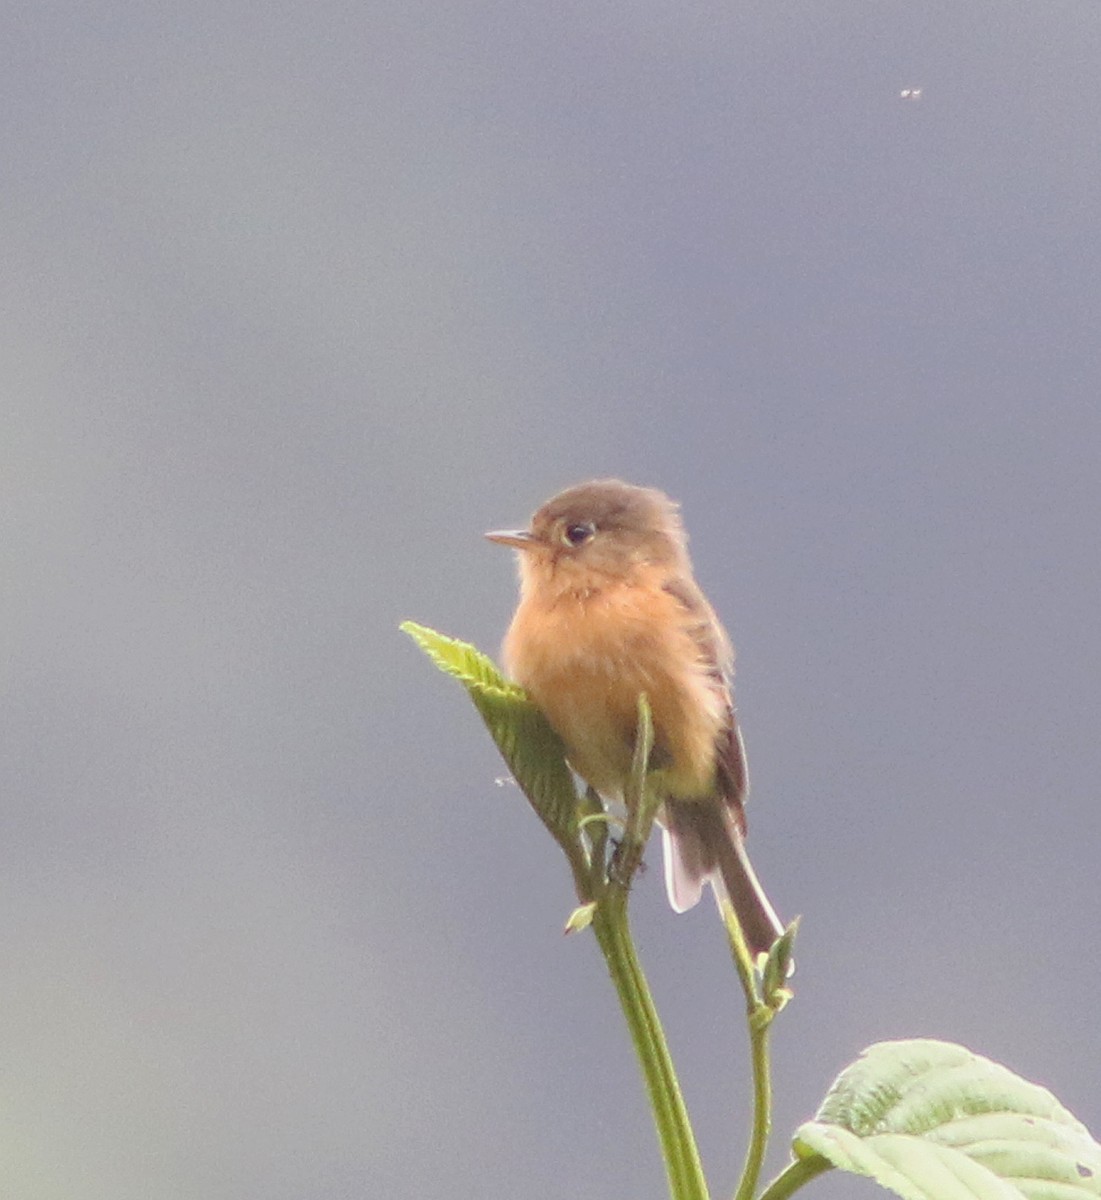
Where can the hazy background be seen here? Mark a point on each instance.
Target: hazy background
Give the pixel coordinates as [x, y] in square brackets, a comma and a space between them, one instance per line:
[298, 299]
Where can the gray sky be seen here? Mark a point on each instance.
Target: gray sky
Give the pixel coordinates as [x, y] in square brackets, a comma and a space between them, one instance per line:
[298, 300]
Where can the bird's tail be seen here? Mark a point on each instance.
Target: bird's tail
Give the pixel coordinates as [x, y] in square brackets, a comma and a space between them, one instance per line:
[703, 843]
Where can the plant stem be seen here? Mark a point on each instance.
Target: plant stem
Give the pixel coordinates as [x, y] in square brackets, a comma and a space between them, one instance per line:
[762, 1106]
[759, 1019]
[793, 1176]
[678, 1143]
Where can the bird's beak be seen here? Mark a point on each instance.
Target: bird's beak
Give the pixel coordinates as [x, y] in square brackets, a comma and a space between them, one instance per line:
[522, 539]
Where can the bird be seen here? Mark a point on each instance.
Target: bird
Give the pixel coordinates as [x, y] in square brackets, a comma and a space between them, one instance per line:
[609, 608]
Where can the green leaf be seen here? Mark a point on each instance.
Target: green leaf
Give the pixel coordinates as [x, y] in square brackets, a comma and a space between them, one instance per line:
[644, 743]
[581, 918]
[465, 662]
[532, 750]
[932, 1121]
[642, 800]
[779, 968]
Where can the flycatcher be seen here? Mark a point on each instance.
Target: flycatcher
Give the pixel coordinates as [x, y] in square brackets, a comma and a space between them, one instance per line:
[609, 608]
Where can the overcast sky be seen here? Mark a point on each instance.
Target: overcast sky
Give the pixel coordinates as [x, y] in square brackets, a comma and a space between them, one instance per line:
[298, 299]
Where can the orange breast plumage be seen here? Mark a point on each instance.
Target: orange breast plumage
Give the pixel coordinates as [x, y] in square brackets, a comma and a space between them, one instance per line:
[585, 658]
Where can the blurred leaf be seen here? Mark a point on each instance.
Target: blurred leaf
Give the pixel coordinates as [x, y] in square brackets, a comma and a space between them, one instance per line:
[642, 800]
[932, 1121]
[532, 750]
[644, 743]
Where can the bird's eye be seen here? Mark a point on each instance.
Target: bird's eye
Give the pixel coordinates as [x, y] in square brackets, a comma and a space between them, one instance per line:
[578, 535]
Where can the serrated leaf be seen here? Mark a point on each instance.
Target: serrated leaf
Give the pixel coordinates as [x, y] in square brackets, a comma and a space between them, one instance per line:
[532, 750]
[534, 755]
[460, 659]
[931, 1121]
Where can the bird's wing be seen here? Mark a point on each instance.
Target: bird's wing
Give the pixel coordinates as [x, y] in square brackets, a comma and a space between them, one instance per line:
[717, 657]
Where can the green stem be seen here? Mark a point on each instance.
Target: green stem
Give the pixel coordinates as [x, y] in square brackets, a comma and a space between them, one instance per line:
[762, 1107]
[759, 1019]
[678, 1143]
[793, 1176]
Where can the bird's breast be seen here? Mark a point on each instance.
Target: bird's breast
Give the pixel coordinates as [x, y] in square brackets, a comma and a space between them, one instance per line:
[585, 659]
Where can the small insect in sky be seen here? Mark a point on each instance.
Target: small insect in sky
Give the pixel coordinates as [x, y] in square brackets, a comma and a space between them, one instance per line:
[910, 94]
